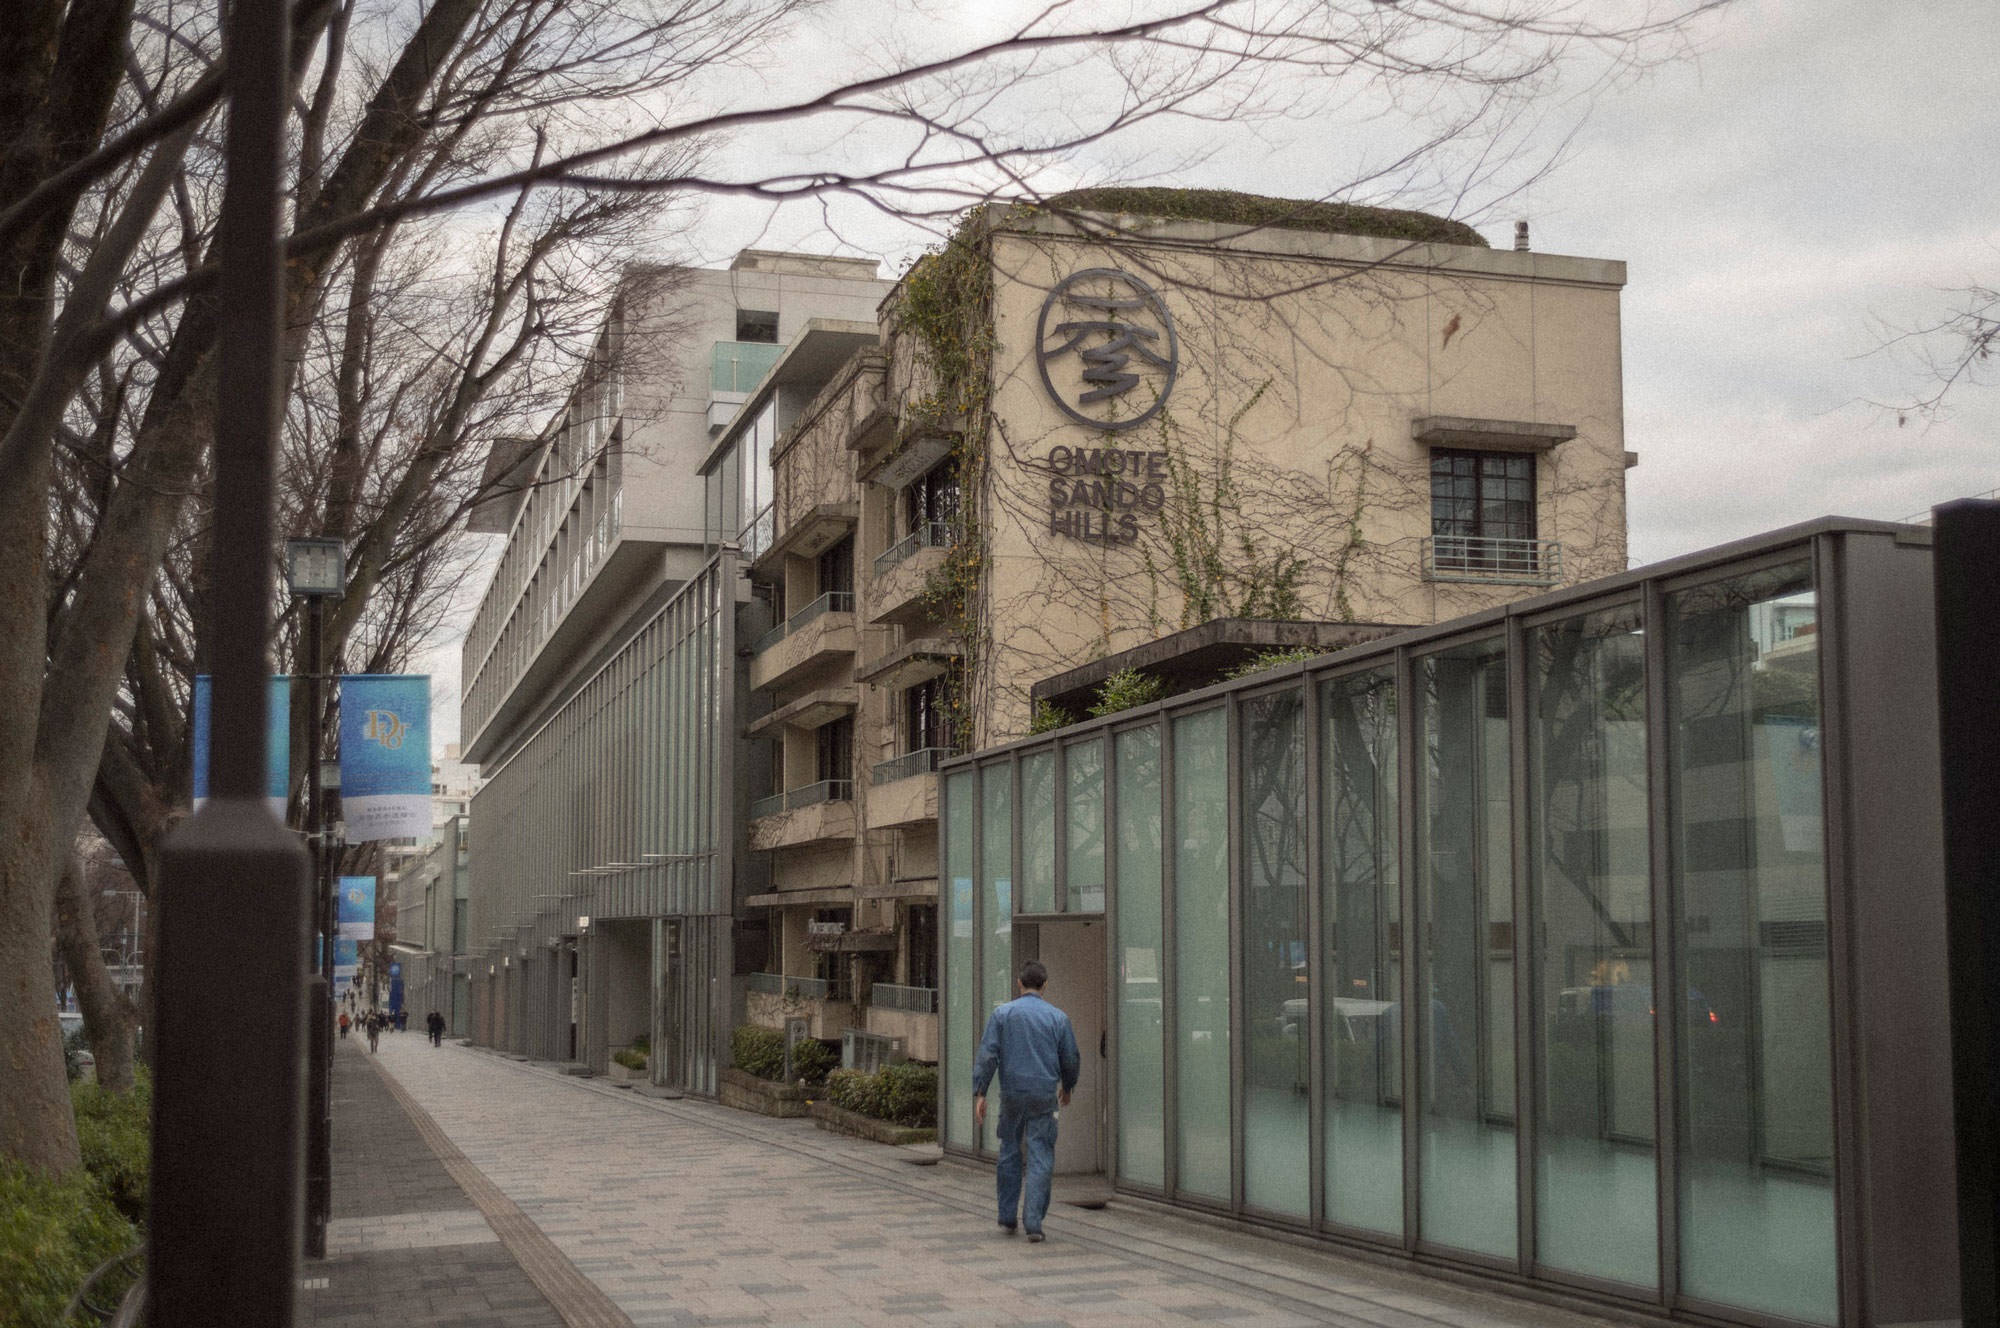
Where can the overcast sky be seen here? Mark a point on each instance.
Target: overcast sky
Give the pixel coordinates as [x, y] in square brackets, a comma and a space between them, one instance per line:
[1820, 174]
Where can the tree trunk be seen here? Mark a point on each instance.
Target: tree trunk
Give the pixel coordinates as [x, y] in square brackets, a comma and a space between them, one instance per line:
[36, 1124]
[110, 1019]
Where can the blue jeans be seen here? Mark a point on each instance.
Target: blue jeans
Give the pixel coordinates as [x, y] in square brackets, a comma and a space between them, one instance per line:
[1027, 1134]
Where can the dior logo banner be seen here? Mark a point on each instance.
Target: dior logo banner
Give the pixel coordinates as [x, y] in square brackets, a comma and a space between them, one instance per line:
[1107, 348]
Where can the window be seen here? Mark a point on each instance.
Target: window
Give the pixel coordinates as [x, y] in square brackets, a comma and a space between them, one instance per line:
[836, 749]
[757, 325]
[829, 965]
[836, 568]
[922, 931]
[923, 715]
[1477, 500]
[934, 497]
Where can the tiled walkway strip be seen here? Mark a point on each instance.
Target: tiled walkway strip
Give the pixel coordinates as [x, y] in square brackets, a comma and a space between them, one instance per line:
[575, 1297]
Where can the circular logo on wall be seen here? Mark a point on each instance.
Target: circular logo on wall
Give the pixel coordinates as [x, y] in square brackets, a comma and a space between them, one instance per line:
[1107, 348]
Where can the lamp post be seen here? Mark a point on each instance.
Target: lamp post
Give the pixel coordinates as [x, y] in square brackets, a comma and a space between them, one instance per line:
[314, 570]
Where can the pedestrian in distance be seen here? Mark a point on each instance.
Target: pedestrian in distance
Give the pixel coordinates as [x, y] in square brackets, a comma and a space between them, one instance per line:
[1030, 1045]
[344, 1022]
[374, 1029]
[435, 1023]
[402, 1020]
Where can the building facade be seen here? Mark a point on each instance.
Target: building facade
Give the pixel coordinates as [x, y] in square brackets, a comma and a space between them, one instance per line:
[1069, 435]
[1663, 883]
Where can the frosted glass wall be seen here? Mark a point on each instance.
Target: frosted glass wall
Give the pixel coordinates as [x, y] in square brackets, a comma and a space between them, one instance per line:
[1138, 942]
[1201, 953]
[961, 968]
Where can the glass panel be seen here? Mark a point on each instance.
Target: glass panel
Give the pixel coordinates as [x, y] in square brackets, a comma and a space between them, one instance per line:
[961, 972]
[1083, 770]
[1465, 912]
[1756, 1141]
[1038, 833]
[1362, 912]
[996, 869]
[1141, 1155]
[1201, 951]
[1276, 1172]
[1596, 1167]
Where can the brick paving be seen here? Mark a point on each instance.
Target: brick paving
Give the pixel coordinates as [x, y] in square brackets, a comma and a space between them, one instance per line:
[628, 1209]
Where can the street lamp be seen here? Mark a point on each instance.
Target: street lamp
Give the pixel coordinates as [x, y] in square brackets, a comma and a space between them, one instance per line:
[314, 570]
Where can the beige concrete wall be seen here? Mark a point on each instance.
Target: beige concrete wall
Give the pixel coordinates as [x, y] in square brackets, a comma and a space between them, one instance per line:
[1303, 360]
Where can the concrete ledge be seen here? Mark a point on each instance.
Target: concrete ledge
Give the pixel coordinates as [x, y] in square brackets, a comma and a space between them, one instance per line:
[767, 1097]
[839, 1120]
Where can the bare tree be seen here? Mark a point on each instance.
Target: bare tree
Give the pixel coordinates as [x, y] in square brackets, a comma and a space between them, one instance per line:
[1952, 353]
[108, 313]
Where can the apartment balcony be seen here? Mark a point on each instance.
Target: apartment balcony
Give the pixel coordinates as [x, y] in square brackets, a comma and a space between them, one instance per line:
[816, 814]
[773, 998]
[820, 634]
[816, 708]
[1492, 561]
[904, 790]
[906, 1014]
[904, 571]
[910, 663]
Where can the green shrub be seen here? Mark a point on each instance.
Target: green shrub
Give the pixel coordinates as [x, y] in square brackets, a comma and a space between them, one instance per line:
[758, 1051]
[643, 1045]
[812, 1060]
[631, 1059]
[53, 1233]
[1048, 718]
[1271, 659]
[903, 1094]
[1125, 689]
[114, 1131]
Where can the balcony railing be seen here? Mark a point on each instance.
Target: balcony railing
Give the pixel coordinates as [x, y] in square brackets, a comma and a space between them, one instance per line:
[923, 761]
[788, 988]
[930, 535]
[827, 790]
[833, 601]
[914, 1000]
[1522, 562]
[738, 366]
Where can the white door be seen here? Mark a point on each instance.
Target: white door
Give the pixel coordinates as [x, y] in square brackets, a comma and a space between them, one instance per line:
[1073, 952]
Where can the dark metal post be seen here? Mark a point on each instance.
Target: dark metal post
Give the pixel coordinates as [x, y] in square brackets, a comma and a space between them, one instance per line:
[319, 986]
[228, 1103]
[1967, 553]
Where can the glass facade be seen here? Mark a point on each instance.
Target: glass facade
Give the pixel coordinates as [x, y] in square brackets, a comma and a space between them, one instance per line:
[962, 1007]
[1603, 824]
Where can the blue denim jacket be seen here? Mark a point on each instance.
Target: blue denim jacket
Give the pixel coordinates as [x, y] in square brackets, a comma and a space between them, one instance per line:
[1033, 1047]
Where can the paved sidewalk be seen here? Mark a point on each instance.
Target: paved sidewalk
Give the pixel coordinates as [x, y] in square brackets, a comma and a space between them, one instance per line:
[688, 1213]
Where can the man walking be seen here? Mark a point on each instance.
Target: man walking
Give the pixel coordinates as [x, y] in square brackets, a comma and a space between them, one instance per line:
[1031, 1045]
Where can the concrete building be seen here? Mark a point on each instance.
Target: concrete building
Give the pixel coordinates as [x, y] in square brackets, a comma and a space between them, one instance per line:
[1069, 436]
[603, 893]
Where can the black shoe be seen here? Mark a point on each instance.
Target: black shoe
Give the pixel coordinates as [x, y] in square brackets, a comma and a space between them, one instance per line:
[1008, 1227]
[1035, 1237]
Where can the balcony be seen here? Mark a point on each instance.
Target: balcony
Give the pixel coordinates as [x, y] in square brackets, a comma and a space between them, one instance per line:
[1479, 559]
[815, 814]
[910, 663]
[923, 761]
[903, 572]
[911, 1000]
[813, 710]
[820, 633]
[773, 998]
[905, 1016]
[736, 367]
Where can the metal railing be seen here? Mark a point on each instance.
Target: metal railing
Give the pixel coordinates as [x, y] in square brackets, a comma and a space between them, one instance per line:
[923, 761]
[930, 535]
[833, 601]
[827, 790]
[1523, 562]
[912, 1000]
[788, 988]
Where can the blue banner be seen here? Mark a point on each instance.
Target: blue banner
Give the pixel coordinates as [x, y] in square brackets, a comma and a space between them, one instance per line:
[346, 960]
[356, 917]
[278, 742]
[385, 756]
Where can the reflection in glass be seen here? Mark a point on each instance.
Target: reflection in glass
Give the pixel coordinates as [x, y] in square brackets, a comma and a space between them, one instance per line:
[1201, 952]
[1465, 914]
[1141, 1130]
[1756, 1123]
[1038, 833]
[962, 975]
[1361, 907]
[1596, 1171]
[1083, 775]
[996, 829]
[1276, 1174]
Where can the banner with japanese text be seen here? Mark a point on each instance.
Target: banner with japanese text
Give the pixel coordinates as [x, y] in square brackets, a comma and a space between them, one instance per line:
[385, 756]
[277, 742]
[356, 917]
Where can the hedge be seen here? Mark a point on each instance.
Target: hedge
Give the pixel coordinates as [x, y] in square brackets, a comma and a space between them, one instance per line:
[903, 1094]
[761, 1051]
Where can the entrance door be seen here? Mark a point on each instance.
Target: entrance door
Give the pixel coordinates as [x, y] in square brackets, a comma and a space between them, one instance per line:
[1073, 952]
[668, 1011]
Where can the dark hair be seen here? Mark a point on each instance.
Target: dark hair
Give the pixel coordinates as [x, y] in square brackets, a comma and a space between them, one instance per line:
[1033, 975]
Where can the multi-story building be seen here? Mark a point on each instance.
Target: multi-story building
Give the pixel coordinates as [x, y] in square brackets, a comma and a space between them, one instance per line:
[1074, 442]
[422, 920]
[597, 673]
